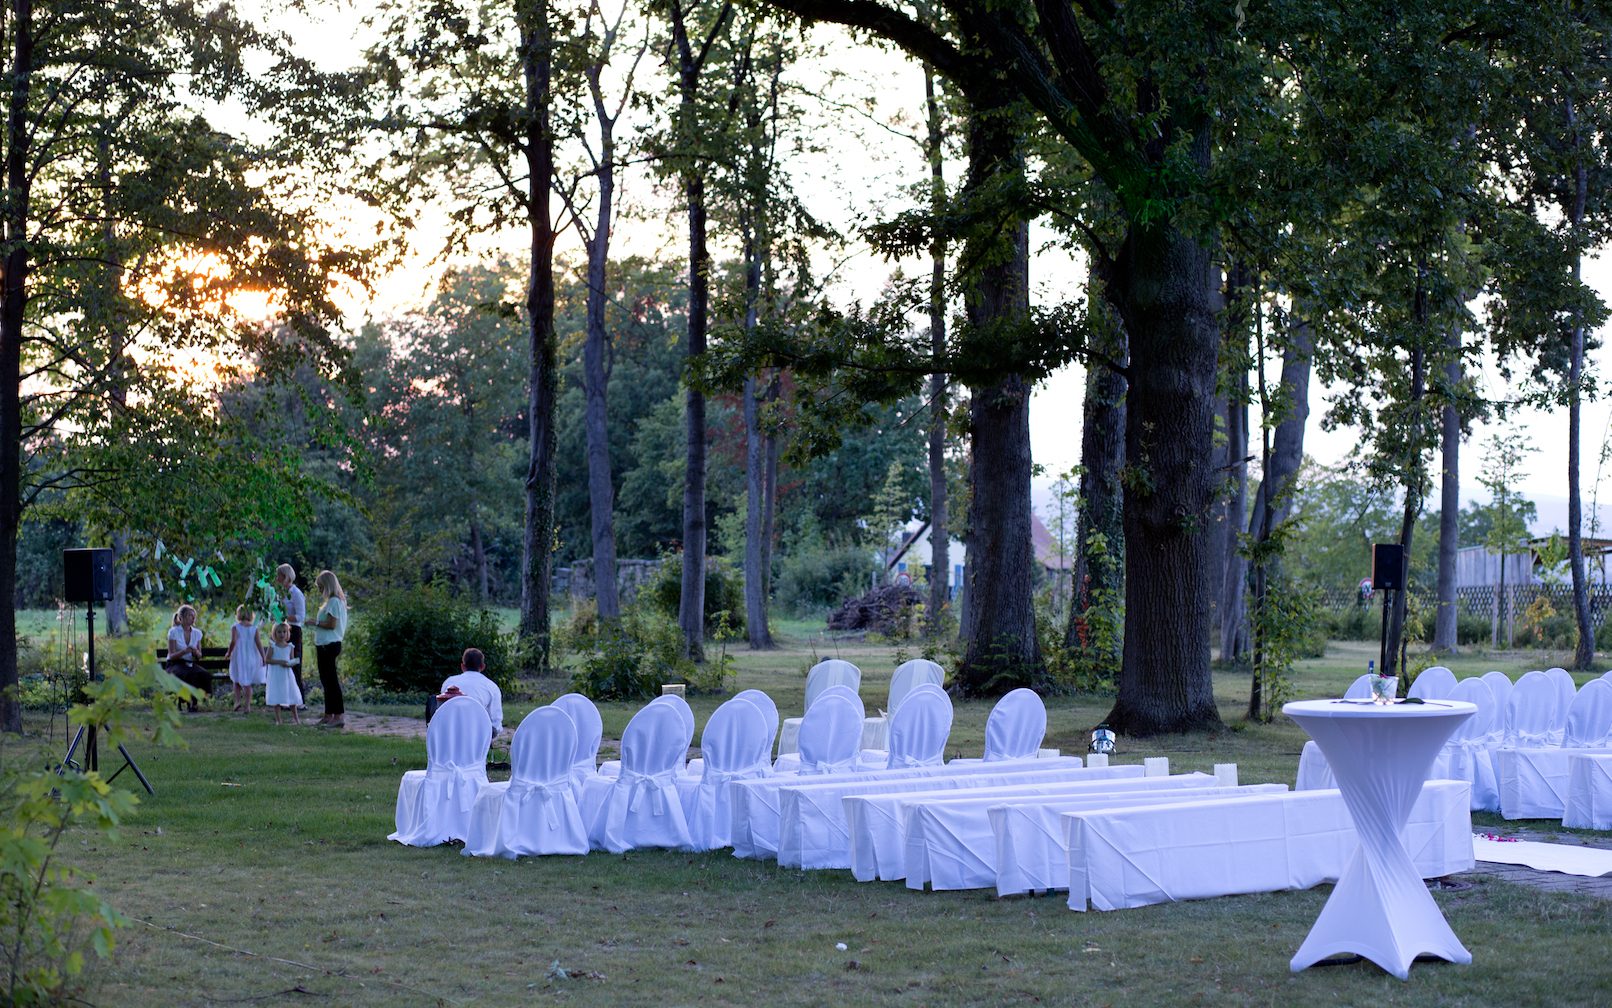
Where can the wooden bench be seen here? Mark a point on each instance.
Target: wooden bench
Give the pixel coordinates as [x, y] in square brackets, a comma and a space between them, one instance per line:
[212, 660]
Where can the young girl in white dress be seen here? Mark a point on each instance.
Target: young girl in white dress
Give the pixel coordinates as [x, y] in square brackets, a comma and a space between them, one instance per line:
[282, 691]
[245, 657]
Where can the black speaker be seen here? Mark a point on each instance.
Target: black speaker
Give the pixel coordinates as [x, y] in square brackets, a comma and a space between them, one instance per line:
[87, 574]
[1388, 566]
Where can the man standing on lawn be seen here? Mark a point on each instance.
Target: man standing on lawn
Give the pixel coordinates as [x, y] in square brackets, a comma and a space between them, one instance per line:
[473, 683]
[296, 611]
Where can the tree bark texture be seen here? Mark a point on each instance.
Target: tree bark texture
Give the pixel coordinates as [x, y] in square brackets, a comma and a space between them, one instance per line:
[1000, 647]
[13, 301]
[1414, 492]
[1159, 285]
[537, 541]
[1102, 460]
[595, 383]
[1584, 650]
[1234, 566]
[940, 564]
[1445, 637]
[755, 519]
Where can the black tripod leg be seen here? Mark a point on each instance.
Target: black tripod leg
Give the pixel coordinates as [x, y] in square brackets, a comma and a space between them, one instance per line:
[130, 764]
[72, 747]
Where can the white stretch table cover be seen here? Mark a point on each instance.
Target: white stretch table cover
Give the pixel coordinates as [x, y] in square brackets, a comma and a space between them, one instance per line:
[1589, 719]
[1531, 713]
[1031, 854]
[756, 803]
[535, 811]
[1380, 907]
[736, 744]
[877, 823]
[1466, 755]
[1433, 683]
[1130, 857]
[1016, 726]
[434, 804]
[812, 828]
[1589, 792]
[590, 730]
[641, 808]
[1533, 782]
[952, 845]
[918, 731]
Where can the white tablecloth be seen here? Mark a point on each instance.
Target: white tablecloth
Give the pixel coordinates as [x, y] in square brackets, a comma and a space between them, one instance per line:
[1589, 792]
[1533, 782]
[1380, 755]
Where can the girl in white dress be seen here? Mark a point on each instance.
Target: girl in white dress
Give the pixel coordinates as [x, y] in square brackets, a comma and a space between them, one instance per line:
[282, 691]
[245, 657]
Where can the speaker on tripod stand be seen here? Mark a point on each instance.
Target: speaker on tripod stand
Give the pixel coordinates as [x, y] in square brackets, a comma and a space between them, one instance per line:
[87, 578]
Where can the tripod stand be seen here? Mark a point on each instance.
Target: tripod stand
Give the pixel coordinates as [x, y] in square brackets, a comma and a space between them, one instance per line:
[87, 734]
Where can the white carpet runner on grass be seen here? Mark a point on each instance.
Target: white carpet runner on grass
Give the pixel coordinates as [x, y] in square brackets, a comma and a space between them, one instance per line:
[1568, 859]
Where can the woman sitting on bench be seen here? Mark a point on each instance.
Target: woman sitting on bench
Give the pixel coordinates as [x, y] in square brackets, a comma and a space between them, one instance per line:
[185, 652]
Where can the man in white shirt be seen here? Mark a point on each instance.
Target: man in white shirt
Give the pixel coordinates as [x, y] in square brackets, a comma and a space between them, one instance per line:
[473, 683]
[296, 613]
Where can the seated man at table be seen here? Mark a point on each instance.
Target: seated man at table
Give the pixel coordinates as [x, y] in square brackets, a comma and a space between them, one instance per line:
[472, 682]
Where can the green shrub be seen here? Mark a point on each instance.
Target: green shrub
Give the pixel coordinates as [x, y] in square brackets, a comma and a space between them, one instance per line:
[811, 583]
[1603, 637]
[724, 592]
[409, 641]
[1357, 622]
[630, 658]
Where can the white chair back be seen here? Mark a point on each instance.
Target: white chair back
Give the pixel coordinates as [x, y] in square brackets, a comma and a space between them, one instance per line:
[849, 694]
[457, 738]
[830, 735]
[1566, 689]
[1531, 711]
[1360, 689]
[1016, 726]
[1472, 741]
[1589, 720]
[736, 745]
[686, 714]
[1607, 675]
[769, 711]
[539, 814]
[831, 672]
[1433, 683]
[589, 731]
[1500, 686]
[920, 727]
[909, 674]
[642, 808]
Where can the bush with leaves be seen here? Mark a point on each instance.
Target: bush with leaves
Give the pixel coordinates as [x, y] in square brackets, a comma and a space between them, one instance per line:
[49, 919]
[813, 581]
[409, 641]
[724, 592]
[629, 658]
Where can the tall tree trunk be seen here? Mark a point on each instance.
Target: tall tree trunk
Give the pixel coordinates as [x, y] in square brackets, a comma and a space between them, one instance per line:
[1282, 457]
[595, 383]
[537, 542]
[939, 544]
[998, 631]
[13, 300]
[691, 601]
[1234, 565]
[1415, 488]
[478, 555]
[1159, 285]
[1100, 573]
[1584, 650]
[769, 512]
[1445, 623]
[755, 507]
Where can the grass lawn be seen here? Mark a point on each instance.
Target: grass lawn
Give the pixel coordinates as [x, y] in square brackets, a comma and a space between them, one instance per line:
[260, 873]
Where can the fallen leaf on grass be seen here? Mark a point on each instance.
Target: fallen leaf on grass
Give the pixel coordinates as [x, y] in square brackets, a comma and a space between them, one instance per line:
[853, 965]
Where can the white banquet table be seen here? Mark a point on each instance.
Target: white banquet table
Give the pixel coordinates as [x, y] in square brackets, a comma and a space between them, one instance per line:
[1380, 908]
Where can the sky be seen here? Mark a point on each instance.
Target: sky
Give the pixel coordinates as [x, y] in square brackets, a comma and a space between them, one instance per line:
[858, 170]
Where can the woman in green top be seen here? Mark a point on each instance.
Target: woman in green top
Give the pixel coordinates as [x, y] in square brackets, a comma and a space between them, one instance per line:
[329, 626]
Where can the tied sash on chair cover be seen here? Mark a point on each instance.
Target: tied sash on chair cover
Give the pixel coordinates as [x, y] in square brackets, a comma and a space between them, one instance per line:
[435, 805]
[830, 735]
[535, 811]
[736, 745]
[1531, 714]
[1433, 683]
[1016, 727]
[919, 729]
[640, 808]
[589, 731]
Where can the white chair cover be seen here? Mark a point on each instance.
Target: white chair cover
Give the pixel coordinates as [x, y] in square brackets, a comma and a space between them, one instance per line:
[920, 727]
[830, 737]
[535, 811]
[1589, 792]
[909, 674]
[831, 672]
[641, 808]
[736, 746]
[1016, 727]
[589, 730]
[685, 713]
[769, 711]
[813, 831]
[1500, 685]
[877, 823]
[1466, 755]
[1360, 689]
[1432, 683]
[1314, 774]
[1589, 719]
[1607, 675]
[1531, 712]
[434, 804]
[1566, 688]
